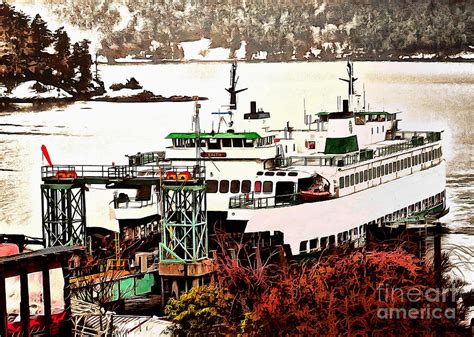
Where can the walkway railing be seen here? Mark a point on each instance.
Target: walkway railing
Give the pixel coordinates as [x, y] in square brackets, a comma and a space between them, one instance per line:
[110, 172]
[249, 200]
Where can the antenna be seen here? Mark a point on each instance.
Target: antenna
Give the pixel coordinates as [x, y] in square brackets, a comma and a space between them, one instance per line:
[197, 131]
[351, 79]
[233, 85]
[363, 86]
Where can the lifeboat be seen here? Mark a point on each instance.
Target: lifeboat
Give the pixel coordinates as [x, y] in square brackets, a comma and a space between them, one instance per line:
[315, 193]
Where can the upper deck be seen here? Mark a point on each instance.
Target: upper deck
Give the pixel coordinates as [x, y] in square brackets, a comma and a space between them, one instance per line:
[221, 145]
[402, 141]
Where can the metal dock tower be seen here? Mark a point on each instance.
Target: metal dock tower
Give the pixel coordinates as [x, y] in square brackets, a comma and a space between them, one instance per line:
[184, 259]
[63, 208]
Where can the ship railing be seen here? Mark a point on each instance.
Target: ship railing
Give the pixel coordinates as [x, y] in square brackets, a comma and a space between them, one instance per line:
[124, 202]
[250, 200]
[145, 158]
[73, 172]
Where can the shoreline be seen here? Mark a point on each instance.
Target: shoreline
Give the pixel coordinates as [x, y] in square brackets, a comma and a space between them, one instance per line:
[139, 62]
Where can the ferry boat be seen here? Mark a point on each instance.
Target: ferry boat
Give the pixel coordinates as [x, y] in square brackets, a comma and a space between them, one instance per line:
[318, 186]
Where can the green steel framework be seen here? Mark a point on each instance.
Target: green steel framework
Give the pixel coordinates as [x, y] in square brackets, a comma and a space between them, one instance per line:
[63, 214]
[184, 236]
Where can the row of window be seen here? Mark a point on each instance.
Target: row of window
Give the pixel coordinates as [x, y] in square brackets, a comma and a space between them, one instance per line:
[237, 186]
[389, 168]
[214, 144]
[355, 232]
[278, 173]
[383, 129]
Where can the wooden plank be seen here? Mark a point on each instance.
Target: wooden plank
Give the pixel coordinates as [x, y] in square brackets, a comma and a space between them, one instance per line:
[25, 304]
[47, 300]
[3, 307]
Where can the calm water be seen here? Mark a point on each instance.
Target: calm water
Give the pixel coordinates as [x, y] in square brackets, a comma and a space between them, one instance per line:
[430, 95]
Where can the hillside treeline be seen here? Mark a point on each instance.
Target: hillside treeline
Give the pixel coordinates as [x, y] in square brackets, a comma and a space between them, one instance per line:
[284, 29]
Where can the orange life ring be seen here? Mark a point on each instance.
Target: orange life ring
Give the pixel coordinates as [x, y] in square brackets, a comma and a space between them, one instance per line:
[171, 175]
[184, 176]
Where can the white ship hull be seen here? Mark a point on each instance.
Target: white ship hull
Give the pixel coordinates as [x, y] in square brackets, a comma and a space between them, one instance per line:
[332, 217]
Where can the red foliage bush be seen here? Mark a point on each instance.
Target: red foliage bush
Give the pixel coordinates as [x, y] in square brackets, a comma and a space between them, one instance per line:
[339, 295]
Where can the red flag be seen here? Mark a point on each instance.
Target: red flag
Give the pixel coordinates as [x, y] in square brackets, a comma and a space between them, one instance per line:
[46, 154]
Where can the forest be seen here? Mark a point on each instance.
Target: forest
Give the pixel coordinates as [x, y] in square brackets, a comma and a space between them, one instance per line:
[284, 29]
[29, 50]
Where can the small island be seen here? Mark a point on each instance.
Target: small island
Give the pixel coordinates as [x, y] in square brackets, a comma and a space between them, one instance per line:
[131, 92]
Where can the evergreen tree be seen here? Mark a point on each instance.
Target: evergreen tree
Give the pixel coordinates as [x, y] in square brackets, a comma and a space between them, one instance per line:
[41, 35]
[62, 43]
[62, 46]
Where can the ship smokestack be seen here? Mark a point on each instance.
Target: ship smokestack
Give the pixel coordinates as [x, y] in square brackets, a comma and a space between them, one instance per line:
[253, 107]
[345, 105]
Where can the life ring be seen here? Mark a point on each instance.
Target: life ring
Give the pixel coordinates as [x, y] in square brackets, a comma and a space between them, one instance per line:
[171, 175]
[185, 176]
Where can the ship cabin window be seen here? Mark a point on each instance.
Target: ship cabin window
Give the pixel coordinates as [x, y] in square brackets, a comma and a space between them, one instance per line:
[386, 168]
[370, 174]
[237, 142]
[214, 144]
[303, 246]
[269, 173]
[406, 163]
[235, 186]
[292, 174]
[179, 142]
[294, 147]
[409, 162]
[246, 186]
[366, 175]
[378, 172]
[361, 176]
[374, 171]
[341, 182]
[372, 129]
[226, 142]
[356, 178]
[224, 186]
[377, 129]
[346, 181]
[190, 142]
[281, 174]
[390, 168]
[324, 242]
[258, 187]
[267, 186]
[259, 173]
[383, 128]
[352, 179]
[313, 244]
[265, 141]
[211, 186]
[398, 165]
[382, 170]
[248, 142]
